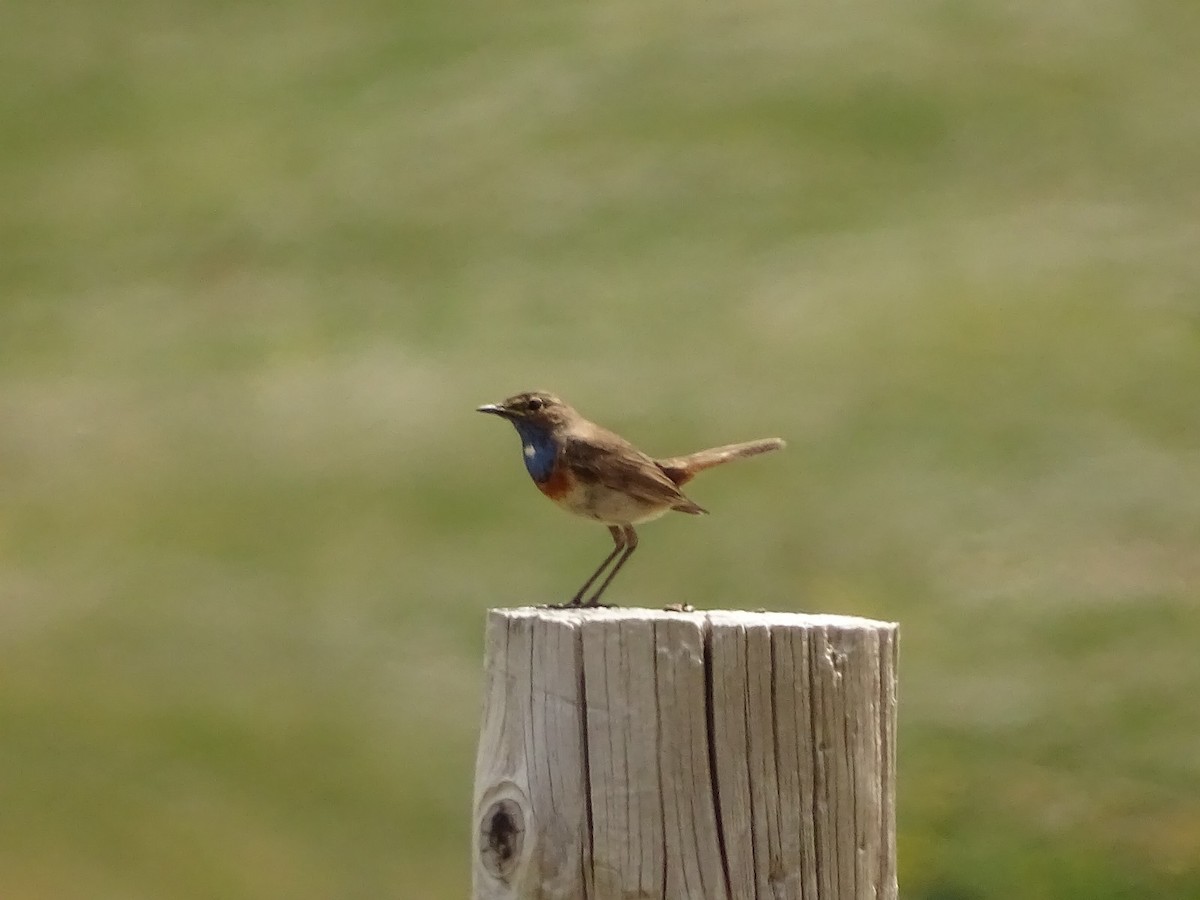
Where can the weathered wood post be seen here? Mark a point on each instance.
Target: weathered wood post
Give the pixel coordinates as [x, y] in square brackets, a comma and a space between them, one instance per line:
[632, 753]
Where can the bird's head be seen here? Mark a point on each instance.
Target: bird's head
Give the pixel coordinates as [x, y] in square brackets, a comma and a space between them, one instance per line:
[532, 408]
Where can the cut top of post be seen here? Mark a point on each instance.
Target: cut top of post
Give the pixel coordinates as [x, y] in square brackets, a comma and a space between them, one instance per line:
[699, 616]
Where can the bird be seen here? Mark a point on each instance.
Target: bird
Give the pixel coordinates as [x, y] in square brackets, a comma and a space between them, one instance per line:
[594, 473]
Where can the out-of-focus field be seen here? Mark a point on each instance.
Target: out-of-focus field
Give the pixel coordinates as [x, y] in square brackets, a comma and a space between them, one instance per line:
[259, 261]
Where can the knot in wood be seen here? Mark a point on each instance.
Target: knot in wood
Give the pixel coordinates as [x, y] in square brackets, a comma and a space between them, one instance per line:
[501, 838]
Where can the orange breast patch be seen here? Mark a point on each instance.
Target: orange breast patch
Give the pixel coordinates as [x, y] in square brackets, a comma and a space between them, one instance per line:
[558, 485]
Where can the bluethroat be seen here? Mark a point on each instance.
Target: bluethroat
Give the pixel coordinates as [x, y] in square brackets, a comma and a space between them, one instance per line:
[591, 472]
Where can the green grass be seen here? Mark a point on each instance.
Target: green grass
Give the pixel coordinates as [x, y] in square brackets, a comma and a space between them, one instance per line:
[261, 261]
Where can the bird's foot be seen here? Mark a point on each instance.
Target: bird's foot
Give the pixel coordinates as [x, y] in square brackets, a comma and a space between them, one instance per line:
[578, 603]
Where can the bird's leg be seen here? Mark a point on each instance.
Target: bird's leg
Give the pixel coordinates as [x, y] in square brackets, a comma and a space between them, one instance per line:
[630, 544]
[619, 541]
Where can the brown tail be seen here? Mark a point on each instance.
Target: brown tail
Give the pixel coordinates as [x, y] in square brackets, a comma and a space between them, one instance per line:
[681, 469]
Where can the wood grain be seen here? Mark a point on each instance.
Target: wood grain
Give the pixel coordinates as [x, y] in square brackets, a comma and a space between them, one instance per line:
[632, 754]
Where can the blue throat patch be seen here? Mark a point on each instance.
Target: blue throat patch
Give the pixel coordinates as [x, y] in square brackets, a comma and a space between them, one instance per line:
[538, 449]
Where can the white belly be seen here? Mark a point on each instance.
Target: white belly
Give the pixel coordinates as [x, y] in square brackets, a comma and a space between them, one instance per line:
[611, 507]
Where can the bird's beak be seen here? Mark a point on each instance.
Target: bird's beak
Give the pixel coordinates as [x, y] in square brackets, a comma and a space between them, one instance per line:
[494, 409]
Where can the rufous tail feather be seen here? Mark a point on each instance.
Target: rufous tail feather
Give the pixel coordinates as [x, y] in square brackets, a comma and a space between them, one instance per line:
[681, 469]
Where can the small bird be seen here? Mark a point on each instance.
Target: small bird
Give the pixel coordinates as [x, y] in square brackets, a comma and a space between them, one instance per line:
[591, 472]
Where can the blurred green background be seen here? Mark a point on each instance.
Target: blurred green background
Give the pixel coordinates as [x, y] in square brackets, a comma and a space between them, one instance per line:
[260, 261]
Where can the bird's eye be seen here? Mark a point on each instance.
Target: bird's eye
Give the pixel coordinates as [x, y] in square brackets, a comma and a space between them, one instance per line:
[534, 404]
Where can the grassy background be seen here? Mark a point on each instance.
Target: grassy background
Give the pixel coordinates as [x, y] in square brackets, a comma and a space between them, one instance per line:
[259, 261]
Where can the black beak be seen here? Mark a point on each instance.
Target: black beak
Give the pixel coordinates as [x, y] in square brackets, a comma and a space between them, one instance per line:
[495, 410]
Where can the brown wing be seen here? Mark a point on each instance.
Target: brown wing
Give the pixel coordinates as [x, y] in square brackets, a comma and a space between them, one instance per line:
[610, 460]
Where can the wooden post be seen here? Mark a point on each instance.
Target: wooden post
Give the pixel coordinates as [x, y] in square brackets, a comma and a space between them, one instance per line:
[632, 754]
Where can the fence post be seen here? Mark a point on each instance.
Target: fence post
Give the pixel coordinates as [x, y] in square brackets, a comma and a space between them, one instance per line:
[724, 755]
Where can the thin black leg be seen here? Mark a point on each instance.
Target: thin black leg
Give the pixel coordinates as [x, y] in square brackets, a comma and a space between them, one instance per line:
[618, 537]
[630, 544]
